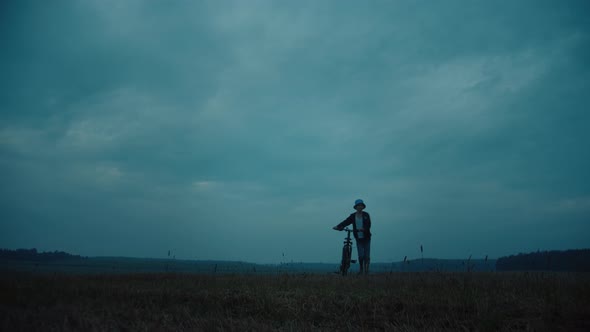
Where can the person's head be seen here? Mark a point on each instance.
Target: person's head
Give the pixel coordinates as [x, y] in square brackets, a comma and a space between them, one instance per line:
[359, 205]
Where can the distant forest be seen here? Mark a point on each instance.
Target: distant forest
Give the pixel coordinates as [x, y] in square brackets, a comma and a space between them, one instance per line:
[577, 260]
[34, 255]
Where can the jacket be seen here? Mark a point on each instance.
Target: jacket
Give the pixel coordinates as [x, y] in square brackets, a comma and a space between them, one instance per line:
[351, 220]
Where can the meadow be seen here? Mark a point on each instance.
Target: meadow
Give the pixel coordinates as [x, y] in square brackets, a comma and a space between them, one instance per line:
[398, 301]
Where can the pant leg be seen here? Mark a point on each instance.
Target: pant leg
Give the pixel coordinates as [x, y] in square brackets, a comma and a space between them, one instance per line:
[361, 247]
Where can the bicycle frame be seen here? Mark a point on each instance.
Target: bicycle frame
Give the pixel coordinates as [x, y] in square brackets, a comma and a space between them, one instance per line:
[346, 253]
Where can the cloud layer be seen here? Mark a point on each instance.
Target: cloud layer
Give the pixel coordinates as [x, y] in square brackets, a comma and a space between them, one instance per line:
[245, 130]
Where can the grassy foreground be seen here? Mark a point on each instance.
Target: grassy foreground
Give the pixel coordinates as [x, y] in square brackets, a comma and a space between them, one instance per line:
[398, 301]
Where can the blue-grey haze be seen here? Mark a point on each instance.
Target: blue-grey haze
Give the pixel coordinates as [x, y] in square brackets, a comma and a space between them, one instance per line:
[245, 130]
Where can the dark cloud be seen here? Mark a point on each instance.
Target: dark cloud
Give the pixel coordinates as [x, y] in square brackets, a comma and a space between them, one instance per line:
[191, 126]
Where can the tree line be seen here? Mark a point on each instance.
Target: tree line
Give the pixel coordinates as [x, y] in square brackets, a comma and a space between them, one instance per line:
[575, 260]
[34, 255]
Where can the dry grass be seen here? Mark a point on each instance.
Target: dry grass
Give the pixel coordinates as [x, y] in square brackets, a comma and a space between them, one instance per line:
[401, 301]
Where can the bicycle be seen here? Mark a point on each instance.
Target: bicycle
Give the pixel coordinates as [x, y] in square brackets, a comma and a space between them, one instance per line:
[346, 253]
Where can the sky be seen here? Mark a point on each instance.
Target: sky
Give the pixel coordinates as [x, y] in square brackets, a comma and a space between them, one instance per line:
[245, 130]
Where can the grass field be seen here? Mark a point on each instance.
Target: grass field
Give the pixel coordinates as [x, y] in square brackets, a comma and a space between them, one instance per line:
[399, 301]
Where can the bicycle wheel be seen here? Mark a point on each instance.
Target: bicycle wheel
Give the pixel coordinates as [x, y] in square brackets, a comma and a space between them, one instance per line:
[345, 264]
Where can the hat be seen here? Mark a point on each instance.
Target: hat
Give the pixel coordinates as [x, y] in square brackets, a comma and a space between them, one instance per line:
[359, 201]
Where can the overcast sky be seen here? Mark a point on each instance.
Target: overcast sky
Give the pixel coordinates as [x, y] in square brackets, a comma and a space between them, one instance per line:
[245, 130]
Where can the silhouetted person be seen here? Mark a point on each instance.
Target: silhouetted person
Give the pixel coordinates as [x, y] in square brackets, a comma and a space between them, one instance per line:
[361, 225]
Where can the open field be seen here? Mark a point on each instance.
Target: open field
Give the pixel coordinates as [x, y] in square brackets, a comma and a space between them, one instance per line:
[397, 301]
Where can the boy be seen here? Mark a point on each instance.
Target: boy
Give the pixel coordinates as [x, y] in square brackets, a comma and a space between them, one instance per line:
[361, 225]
